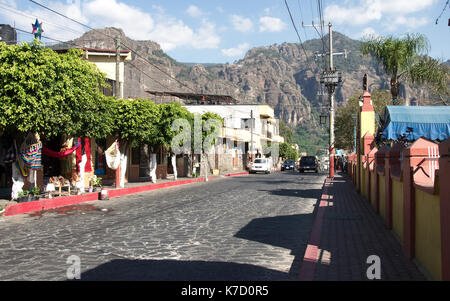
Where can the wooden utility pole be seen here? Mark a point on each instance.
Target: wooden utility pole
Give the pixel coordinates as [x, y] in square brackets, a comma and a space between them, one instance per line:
[117, 86]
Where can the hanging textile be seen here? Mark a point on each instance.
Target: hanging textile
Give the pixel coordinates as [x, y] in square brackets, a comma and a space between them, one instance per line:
[53, 154]
[112, 155]
[22, 169]
[78, 155]
[87, 151]
[32, 156]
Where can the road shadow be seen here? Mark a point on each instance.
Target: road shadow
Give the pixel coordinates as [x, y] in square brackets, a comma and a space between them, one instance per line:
[300, 193]
[290, 232]
[173, 270]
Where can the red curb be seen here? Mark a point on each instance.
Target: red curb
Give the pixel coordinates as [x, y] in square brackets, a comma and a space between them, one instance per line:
[125, 191]
[311, 257]
[236, 174]
[46, 204]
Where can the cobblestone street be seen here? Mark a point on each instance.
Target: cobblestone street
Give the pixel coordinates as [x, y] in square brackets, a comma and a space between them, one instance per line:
[243, 228]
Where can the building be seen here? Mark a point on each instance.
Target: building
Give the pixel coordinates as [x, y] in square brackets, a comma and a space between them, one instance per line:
[8, 34]
[235, 151]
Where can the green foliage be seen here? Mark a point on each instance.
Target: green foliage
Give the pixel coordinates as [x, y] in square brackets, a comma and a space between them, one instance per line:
[49, 93]
[406, 58]
[136, 121]
[344, 122]
[168, 114]
[286, 151]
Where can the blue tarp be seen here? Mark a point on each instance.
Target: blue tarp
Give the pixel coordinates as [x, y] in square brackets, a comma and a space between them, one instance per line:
[431, 122]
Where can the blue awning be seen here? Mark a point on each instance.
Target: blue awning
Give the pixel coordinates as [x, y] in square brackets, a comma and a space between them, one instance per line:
[431, 122]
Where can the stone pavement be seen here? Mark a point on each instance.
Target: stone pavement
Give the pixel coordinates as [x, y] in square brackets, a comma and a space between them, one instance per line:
[351, 231]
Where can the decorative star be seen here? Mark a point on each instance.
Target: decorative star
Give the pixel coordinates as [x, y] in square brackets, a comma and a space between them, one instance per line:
[37, 29]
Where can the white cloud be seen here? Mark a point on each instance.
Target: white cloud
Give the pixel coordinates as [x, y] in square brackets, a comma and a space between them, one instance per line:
[271, 24]
[362, 12]
[194, 11]
[164, 29]
[241, 24]
[368, 31]
[237, 51]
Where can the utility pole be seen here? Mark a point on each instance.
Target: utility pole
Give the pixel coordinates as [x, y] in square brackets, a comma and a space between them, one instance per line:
[251, 135]
[330, 78]
[117, 87]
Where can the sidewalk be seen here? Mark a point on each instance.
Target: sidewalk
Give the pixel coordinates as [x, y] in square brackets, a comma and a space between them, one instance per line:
[346, 231]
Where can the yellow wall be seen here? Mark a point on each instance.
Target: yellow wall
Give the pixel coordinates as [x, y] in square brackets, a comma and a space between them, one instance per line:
[373, 174]
[428, 233]
[382, 204]
[397, 208]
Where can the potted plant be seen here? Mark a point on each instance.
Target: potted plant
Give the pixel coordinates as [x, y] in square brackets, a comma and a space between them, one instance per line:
[22, 197]
[34, 193]
[95, 183]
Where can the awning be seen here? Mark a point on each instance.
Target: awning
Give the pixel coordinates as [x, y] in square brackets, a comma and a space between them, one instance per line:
[431, 122]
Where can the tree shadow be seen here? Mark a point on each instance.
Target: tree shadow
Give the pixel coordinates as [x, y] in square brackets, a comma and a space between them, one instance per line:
[173, 270]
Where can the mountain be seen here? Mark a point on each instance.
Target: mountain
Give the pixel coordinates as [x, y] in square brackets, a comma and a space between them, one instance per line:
[278, 75]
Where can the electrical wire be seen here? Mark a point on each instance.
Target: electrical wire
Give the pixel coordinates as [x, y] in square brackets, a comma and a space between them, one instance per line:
[121, 43]
[295, 27]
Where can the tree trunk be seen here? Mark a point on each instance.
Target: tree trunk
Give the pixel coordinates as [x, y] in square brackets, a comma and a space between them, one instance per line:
[123, 164]
[174, 165]
[153, 164]
[204, 165]
[394, 90]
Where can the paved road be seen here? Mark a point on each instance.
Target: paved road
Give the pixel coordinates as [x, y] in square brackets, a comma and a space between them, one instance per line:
[243, 228]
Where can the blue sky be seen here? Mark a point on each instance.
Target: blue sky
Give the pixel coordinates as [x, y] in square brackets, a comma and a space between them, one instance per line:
[216, 31]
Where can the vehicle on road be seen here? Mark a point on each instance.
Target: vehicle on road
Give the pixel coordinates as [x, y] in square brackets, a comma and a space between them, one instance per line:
[308, 163]
[288, 165]
[261, 165]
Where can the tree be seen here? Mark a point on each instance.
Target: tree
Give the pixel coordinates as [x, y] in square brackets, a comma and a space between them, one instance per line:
[287, 152]
[344, 122]
[135, 123]
[405, 59]
[48, 93]
[169, 113]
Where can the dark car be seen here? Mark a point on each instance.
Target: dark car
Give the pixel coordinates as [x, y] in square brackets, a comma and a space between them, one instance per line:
[308, 163]
[288, 165]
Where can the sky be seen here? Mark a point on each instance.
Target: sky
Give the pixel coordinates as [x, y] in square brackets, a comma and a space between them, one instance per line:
[220, 31]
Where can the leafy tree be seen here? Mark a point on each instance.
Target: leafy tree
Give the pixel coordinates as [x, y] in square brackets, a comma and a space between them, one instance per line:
[344, 122]
[136, 121]
[49, 93]
[405, 59]
[286, 151]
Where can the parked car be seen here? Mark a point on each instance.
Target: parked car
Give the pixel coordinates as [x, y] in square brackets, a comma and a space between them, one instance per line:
[288, 165]
[260, 165]
[309, 163]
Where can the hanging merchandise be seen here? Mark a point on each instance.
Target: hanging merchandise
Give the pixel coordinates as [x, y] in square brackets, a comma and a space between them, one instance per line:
[112, 155]
[53, 154]
[22, 169]
[31, 152]
[87, 151]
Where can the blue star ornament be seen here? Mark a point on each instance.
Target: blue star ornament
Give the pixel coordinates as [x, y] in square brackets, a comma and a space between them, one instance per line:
[37, 29]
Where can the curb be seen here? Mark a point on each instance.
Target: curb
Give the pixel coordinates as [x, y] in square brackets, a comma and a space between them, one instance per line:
[236, 174]
[312, 252]
[45, 204]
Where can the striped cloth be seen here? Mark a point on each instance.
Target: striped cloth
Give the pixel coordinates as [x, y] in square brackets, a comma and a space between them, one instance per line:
[32, 156]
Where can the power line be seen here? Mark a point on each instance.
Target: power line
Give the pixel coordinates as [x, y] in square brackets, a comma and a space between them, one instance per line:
[24, 14]
[295, 27]
[131, 49]
[445, 7]
[75, 44]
